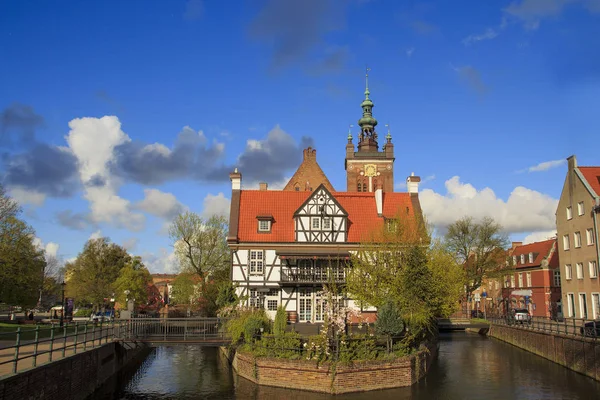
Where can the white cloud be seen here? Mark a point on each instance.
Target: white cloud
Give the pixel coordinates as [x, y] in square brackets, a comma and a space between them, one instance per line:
[546, 165]
[161, 204]
[95, 235]
[539, 236]
[25, 196]
[525, 210]
[216, 205]
[163, 262]
[130, 244]
[93, 141]
[50, 248]
[532, 12]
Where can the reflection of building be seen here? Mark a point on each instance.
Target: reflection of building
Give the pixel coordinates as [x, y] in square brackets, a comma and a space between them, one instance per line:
[535, 282]
[578, 247]
[163, 284]
[287, 243]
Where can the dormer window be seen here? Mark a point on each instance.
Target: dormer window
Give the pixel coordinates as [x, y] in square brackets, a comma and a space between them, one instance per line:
[264, 223]
[514, 260]
[522, 258]
[530, 258]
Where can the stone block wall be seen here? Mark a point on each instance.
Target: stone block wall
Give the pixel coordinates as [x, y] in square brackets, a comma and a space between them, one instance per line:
[576, 353]
[73, 377]
[327, 378]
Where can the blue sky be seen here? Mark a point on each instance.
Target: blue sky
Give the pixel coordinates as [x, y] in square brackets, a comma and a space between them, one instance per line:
[117, 115]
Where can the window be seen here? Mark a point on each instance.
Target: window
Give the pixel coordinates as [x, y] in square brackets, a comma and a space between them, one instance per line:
[569, 213]
[512, 281]
[566, 244]
[595, 305]
[571, 304]
[590, 236]
[582, 306]
[520, 280]
[316, 223]
[579, 267]
[358, 187]
[568, 272]
[514, 260]
[272, 305]
[392, 225]
[327, 223]
[577, 239]
[256, 301]
[530, 258]
[522, 258]
[529, 279]
[264, 225]
[580, 210]
[556, 277]
[593, 269]
[256, 262]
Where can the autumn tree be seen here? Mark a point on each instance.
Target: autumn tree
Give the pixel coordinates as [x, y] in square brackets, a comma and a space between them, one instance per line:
[91, 277]
[135, 278]
[479, 248]
[201, 248]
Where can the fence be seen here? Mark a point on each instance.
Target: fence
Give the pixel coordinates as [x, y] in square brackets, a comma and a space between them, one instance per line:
[567, 326]
[175, 329]
[45, 343]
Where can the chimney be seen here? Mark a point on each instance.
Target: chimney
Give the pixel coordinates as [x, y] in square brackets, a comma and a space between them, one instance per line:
[515, 245]
[572, 161]
[262, 186]
[309, 154]
[412, 184]
[379, 200]
[236, 180]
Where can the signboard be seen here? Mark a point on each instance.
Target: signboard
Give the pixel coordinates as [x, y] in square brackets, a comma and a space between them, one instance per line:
[477, 297]
[69, 307]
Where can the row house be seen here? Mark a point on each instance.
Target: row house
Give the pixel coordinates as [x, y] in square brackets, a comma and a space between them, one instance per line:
[579, 251]
[286, 244]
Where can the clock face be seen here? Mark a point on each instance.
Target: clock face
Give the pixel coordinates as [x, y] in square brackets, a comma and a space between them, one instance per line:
[370, 170]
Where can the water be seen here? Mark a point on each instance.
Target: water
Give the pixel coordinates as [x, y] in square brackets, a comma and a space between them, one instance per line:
[468, 367]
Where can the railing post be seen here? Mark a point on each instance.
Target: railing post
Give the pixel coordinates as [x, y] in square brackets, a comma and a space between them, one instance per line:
[64, 339]
[204, 330]
[85, 336]
[166, 324]
[35, 344]
[51, 341]
[185, 329]
[75, 338]
[17, 345]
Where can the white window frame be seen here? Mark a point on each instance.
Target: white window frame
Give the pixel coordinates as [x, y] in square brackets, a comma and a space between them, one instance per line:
[579, 270]
[582, 296]
[556, 277]
[569, 213]
[577, 239]
[568, 272]
[530, 258]
[571, 304]
[522, 258]
[315, 223]
[590, 236]
[528, 277]
[512, 281]
[595, 305]
[262, 227]
[520, 280]
[514, 260]
[580, 208]
[256, 262]
[593, 267]
[566, 244]
[326, 223]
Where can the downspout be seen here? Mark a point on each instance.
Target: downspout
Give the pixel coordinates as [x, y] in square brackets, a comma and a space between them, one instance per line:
[595, 212]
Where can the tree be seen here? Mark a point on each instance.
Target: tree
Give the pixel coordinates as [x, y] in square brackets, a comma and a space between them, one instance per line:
[91, 277]
[201, 248]
[389, 322]
[479, 247]
[135, 277]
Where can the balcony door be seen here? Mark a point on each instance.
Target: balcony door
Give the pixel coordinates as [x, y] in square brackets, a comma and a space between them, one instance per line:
[311, 306]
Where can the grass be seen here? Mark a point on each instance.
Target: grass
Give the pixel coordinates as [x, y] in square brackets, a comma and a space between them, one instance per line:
[8, 331]
[480, 321]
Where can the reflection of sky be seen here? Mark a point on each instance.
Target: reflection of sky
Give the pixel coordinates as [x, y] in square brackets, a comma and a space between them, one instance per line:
[469, 367]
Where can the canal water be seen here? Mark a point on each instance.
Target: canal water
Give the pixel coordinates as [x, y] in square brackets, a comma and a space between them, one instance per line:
[469, 366]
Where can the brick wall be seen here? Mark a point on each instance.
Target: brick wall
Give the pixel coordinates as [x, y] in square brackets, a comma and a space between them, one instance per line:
[576, 353]
[359, 377]
[73, 377]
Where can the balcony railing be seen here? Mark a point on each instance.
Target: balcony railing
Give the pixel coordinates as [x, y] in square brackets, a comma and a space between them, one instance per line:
[312, 275]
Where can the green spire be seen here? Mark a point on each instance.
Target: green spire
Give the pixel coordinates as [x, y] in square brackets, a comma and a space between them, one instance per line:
[367, 123]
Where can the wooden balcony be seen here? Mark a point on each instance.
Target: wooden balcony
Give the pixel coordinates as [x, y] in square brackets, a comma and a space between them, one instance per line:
[312, 275]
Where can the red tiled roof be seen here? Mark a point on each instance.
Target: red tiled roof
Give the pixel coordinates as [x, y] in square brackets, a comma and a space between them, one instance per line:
[540, 250]
[361, 209]
[592, 176]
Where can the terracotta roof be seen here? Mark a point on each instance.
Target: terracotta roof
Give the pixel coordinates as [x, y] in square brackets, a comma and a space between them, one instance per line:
[309, 174]
[540, 251]
[592, 176]
[361, 209]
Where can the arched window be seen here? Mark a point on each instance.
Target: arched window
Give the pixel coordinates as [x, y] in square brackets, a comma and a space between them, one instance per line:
[359, 187]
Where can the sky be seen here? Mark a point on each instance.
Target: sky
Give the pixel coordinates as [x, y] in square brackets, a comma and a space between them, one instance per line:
[116, 116]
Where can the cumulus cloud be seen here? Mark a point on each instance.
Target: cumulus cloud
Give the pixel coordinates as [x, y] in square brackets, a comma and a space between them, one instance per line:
[216, 205]
[546, 165]
[25, 196]
[160, 204]
[77, 221]
[163, 262]
[50, 248]
[525, 210]
[95, 235]
[539, 236]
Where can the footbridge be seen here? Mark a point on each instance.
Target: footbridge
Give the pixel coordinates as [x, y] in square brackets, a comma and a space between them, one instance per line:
[161, 331]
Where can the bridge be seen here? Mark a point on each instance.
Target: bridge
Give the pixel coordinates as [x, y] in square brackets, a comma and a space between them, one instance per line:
[453, 324]
[157, 331]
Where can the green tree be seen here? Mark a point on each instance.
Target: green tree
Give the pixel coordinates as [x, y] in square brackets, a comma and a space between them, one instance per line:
[201, 248]
[478, 247]
[136, 278]
[280, 321]
[91, 277]
[184, 290]
[389, 322]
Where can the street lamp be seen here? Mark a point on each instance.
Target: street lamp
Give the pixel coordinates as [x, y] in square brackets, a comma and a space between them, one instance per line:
[62, 314]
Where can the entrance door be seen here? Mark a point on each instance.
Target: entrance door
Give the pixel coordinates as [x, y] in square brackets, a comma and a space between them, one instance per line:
[305, 305]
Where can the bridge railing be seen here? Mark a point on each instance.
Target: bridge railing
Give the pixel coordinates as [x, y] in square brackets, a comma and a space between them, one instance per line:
[565, 326]
[175, 329]
[26, 347]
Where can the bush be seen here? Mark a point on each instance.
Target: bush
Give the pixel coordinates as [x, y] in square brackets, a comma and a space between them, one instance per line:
[285, 345]
[83, 312]
[358, 348]
[247, 324]
[280, 321]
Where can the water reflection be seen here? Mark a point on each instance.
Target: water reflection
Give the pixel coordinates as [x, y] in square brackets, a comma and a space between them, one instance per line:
[468, 367]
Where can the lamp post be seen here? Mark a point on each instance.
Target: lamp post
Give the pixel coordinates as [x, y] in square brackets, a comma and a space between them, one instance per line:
[62, 314]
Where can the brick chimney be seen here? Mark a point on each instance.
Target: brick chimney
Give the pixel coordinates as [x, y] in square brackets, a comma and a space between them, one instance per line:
[234, 210]
[572, 162]
[379, 199]
[309, 154]
[263, 186]
[515, 245]
[412, 184]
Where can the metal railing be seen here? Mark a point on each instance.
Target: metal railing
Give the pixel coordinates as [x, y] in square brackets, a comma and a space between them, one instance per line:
[28, 347]
[175, 329]
[565, 326]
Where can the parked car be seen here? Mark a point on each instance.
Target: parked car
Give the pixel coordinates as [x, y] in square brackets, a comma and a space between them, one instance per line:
[519, 315]
[102, 316]
[591, 328]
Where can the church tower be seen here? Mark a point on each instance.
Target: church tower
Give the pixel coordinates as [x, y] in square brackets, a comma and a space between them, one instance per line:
[368, 168]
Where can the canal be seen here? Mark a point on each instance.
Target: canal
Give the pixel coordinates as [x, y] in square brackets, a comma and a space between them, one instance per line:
[469, 366]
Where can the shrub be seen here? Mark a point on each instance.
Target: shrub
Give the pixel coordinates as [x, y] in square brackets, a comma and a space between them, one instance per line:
[247, 324]
[83, 312]
[286, 345]
[358, 348]
[280, 321]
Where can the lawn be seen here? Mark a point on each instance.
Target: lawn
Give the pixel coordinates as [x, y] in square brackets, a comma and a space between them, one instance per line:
[8, 331]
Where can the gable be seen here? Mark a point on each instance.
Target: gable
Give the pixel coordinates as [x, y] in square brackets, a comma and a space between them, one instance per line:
[321, 202]
[309, 174]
